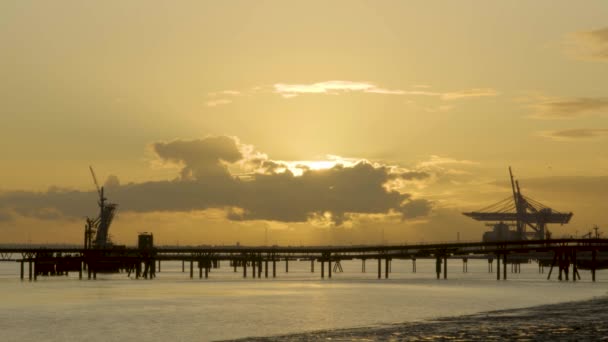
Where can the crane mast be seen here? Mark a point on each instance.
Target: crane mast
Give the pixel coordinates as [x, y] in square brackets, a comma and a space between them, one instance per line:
[97, 229]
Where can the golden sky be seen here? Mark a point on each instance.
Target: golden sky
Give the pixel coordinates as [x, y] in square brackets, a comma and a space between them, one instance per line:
[220, 120]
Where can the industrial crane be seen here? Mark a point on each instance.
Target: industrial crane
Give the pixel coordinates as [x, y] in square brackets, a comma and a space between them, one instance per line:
[96, 230]
[524, 212]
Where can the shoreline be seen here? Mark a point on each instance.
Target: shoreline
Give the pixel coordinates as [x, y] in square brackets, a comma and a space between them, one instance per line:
[573, 320]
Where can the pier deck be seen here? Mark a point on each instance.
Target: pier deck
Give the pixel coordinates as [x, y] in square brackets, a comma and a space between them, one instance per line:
[564, 254]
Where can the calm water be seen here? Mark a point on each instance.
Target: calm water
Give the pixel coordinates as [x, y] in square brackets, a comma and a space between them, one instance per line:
[225, 306]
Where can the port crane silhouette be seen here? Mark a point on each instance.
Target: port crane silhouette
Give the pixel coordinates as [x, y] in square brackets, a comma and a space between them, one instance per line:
[97, 229]
[524, 212]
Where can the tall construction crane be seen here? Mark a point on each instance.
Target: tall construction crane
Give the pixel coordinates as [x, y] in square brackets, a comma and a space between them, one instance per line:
[524, 212]
[96, 230]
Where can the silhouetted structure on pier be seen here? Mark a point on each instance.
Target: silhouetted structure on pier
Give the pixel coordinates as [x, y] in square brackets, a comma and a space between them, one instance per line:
[519, 211]
[96, 231]
[564, 254]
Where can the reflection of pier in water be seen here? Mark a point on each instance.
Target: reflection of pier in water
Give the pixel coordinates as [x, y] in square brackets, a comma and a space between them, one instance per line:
[566, 256]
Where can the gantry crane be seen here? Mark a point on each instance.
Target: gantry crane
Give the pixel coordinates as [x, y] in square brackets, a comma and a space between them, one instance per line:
[96, 230]
[524, 212]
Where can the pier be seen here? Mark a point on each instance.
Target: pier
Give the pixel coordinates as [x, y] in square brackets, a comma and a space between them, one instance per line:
[563, 258]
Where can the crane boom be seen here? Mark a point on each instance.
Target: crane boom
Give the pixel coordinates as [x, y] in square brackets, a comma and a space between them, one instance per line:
[95, 180]
[512, 186]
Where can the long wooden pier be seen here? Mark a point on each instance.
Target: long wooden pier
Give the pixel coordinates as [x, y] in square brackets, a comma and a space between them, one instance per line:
[567, 256]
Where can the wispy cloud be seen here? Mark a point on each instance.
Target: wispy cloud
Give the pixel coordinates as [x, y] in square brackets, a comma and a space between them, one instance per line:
[331, 87]
[568, 108]
[220, 98]
[475, 92]
[337, 87]
[421, 93]
[435, 160]
[224, 92]
[589, 45]
[575, 134]
[218, 102]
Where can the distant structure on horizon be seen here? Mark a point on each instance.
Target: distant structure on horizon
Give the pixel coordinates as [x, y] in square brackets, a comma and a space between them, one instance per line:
[96, 231]
[520, 212]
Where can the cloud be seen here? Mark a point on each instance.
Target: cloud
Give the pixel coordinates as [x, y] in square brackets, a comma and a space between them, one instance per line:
[220, 98]
[51, 204]
[575, 134]
[270, 192]
[589, 45]
[336, 87]
[224, 93]
[435, 161]
[6, 215]
[421, 93]
[475, 92]
[218, 102]
[587, 186]
[200, 158]
[331, 87]
[568, 108]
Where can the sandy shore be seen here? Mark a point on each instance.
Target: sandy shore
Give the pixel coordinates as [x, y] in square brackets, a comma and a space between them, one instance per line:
[571, 321]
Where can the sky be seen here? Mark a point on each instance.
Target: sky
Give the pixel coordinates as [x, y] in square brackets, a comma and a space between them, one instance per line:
[310, 122]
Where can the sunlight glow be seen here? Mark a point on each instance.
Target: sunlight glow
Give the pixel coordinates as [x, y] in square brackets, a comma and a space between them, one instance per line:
[298, 167]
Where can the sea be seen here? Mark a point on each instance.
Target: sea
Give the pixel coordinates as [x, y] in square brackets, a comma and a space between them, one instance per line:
[300, 306]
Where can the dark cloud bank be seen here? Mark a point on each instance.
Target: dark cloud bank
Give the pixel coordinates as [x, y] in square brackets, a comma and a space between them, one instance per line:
[578, 133]
[569, 108]
[205, 182]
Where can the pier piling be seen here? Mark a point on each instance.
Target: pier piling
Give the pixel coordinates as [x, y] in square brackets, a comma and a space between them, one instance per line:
[574, 272]
[504, 266]
[593, 256]
[497, 266]
[438, 266]
[387, 262]
[322, 269]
